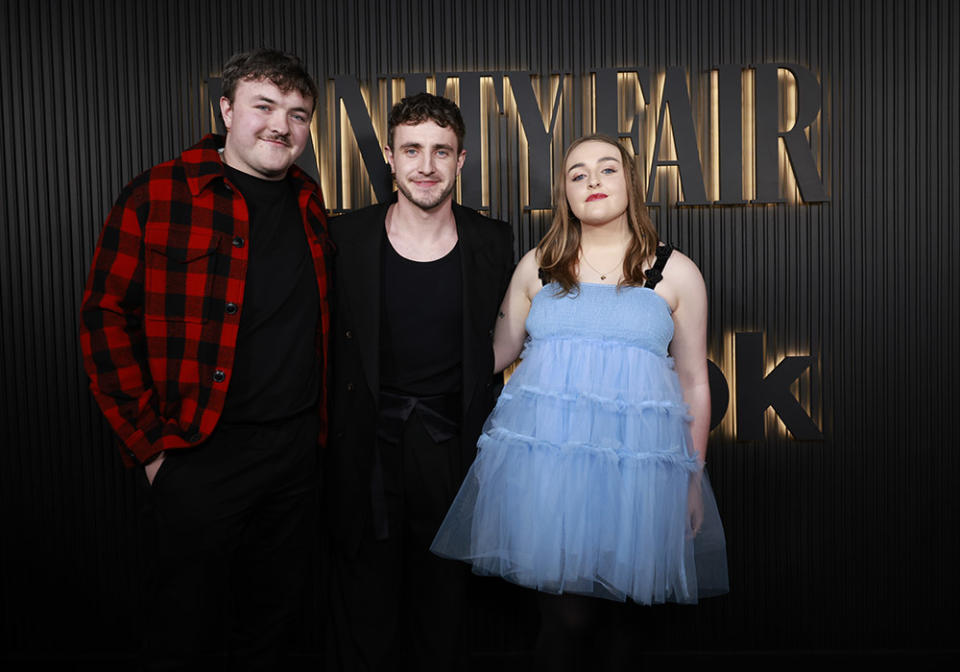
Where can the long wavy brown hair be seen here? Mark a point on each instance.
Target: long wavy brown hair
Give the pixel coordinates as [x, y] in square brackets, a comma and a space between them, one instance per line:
[559, 250]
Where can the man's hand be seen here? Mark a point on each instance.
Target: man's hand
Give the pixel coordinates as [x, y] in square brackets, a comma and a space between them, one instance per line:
[153, 466]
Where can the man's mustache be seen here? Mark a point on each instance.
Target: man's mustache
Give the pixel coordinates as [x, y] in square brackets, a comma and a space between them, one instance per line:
[278, 137]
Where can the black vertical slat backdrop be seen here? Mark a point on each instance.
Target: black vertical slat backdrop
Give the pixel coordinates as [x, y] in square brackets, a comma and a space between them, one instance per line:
[845, 543]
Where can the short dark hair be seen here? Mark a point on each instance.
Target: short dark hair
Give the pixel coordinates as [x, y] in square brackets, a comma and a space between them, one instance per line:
[421, 107]
[283, 69]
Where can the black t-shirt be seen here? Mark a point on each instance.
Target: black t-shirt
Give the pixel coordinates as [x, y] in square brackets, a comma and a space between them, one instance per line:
[275, 370]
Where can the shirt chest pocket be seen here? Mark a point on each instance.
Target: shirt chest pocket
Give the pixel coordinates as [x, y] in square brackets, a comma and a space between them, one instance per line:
[181, 264]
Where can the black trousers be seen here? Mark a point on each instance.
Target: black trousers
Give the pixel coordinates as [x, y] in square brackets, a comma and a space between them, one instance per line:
[398, 606]
[231, 523]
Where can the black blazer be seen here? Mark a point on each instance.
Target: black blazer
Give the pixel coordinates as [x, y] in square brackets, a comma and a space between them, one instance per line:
[486, 248]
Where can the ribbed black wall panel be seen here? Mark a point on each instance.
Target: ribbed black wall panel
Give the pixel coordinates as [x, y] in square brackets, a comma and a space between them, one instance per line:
[845, 542]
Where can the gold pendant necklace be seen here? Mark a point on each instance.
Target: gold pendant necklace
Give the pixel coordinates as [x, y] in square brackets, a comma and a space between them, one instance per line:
[603, 274]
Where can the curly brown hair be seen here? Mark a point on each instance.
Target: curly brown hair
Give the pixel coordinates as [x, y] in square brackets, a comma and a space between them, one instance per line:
[421, 107]
[284, 70]
[559, 251]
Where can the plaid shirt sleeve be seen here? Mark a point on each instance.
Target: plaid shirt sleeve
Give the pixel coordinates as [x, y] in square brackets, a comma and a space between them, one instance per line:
[111, 330]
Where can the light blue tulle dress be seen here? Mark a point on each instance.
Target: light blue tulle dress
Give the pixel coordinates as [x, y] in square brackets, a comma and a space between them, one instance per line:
[581, 479]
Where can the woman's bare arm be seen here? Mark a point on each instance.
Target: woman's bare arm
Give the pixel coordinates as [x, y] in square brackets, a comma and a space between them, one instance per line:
[688, 296]
[511, 328]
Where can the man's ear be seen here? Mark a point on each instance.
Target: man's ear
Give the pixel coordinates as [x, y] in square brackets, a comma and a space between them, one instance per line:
[388, 155]
[226, 111]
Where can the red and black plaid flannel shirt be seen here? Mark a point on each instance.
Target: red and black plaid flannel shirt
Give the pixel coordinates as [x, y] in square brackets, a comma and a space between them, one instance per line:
[162, 305]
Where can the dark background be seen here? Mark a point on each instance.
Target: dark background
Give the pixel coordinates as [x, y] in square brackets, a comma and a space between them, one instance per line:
[846, 546]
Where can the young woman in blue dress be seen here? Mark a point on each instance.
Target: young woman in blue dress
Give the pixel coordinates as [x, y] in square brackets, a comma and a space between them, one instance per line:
[589, 475]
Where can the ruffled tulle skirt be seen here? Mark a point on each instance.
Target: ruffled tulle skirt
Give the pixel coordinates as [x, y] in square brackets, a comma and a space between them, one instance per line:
[583, 482]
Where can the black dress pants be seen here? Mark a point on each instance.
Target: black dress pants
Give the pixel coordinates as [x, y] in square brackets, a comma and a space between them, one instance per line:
[232, 519]
[398, 606]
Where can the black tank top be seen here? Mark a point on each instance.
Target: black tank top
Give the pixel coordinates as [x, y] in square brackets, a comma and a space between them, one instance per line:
[421, 324]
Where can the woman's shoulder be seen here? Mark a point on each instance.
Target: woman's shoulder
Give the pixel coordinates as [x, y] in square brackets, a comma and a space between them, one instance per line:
[677, 263]
[527, 274]
[680, 278]
[530, 262]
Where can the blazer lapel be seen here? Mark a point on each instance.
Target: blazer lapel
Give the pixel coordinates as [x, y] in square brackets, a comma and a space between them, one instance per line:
[360, 274]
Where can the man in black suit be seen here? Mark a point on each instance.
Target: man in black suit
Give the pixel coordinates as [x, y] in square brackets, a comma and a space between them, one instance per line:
[418, 282]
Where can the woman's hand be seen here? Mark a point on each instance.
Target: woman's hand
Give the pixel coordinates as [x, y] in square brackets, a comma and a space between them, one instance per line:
[694, 507]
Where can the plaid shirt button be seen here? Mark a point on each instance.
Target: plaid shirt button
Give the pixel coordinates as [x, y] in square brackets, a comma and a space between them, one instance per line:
[219, 376]
[230, 309]
[238, 241]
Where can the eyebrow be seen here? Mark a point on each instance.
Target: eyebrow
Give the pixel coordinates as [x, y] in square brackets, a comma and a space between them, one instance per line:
[419, 145]
[265, 99]
[600, 160]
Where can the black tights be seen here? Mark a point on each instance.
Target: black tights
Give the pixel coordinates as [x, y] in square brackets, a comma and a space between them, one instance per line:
[578, 633]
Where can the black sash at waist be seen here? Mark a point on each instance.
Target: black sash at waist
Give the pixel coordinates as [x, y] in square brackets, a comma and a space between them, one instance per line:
[440, 416]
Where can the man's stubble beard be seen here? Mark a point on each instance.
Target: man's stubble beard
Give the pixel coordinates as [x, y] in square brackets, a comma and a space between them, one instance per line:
[424, 205]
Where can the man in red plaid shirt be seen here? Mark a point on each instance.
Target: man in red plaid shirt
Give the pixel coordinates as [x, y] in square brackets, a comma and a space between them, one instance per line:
[204, 331]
